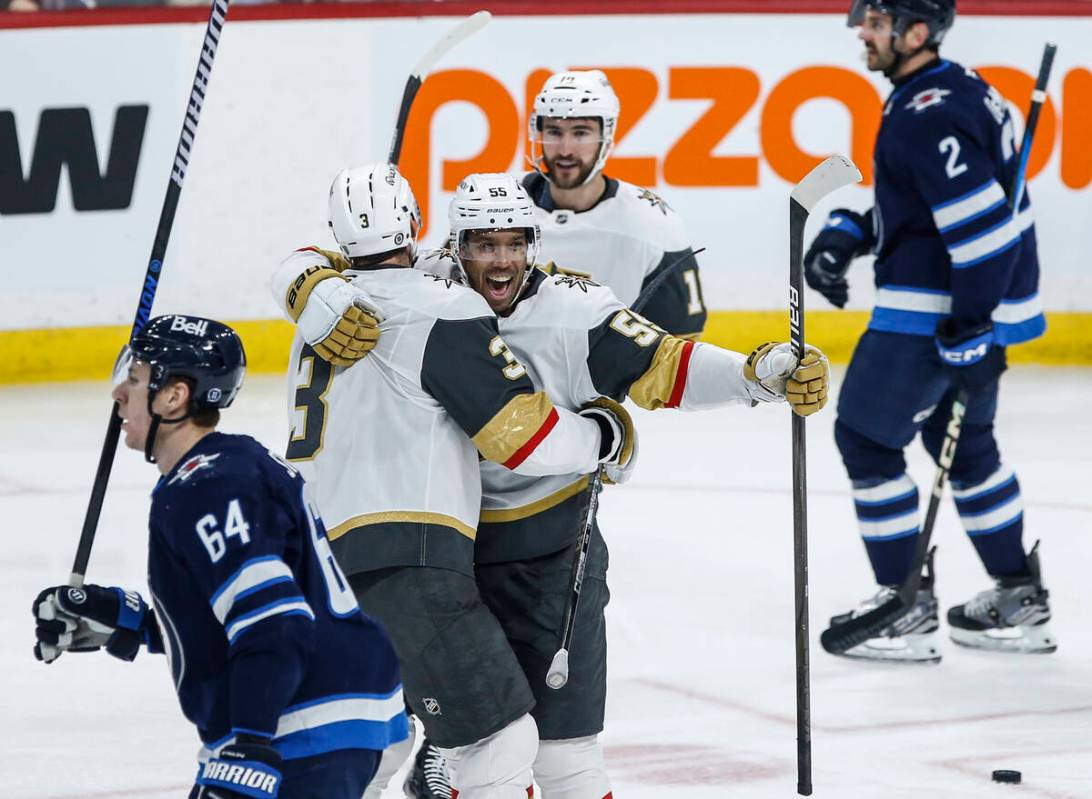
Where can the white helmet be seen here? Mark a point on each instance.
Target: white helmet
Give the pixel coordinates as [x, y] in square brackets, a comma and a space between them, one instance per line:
[575, 94]
[492, 202]
[373, 210]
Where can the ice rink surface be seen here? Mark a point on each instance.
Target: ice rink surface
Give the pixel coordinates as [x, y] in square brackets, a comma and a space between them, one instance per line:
[702, 695]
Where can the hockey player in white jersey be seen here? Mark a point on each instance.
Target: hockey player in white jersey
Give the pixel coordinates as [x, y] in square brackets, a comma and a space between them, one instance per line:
[623, 235]
[393, 445]
[581, 345]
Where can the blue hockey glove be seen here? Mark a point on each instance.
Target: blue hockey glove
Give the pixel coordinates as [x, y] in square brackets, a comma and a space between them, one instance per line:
[970, 356]
[250, 768]
[846, 235]
[89, 617]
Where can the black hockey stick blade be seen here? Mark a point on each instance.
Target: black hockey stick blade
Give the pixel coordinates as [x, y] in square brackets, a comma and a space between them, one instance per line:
[840, 638]
[471, 25]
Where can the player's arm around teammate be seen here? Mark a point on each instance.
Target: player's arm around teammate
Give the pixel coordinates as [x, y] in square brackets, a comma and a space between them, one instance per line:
[246, 608]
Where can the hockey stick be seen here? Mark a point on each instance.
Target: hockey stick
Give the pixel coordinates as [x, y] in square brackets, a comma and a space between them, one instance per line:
[217, 18]
[832, 174]
[842, 637]
[472, 24]
[558, 673]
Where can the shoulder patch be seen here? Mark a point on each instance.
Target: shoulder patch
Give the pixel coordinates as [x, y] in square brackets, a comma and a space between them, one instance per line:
[927, 98]
[192, 466]
[574, 282]
[654, 200]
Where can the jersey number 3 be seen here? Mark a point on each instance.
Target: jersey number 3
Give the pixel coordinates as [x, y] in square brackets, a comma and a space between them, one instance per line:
[309, 424]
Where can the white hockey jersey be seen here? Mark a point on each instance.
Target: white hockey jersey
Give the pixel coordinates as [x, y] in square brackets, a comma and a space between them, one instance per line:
[579, 342]
[391, 444]
[626, 241]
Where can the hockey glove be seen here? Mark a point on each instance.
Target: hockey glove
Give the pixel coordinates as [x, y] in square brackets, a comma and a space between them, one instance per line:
[250, 767]
[338, 319]
[846, 235]
[89, 617]
[618, 447]
[773, 375]
[970, 356]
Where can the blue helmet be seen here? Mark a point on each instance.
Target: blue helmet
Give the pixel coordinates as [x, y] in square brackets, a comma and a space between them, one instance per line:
[205, 351]
[937, 14]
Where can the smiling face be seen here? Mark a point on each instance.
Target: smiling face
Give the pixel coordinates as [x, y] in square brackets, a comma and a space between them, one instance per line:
[570, 148]
[131, 395]
[495, 262]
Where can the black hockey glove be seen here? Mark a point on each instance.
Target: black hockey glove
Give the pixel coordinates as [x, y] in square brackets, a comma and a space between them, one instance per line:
[84, 619]
[970, 356]
[248, 769]
[846, 235]
[618, 443]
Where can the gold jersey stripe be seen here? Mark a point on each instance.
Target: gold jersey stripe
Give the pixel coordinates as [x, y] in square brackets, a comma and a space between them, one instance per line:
[399, 516]
[513, 427]
[654, 388]
[536, 507]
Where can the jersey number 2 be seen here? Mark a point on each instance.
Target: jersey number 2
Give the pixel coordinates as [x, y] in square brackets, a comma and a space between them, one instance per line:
[950, 145]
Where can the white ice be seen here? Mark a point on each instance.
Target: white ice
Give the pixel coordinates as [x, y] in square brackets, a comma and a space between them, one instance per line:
[702, 690]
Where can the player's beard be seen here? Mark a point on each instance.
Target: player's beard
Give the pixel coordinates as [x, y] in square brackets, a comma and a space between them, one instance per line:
[573, 181]
[877, 61]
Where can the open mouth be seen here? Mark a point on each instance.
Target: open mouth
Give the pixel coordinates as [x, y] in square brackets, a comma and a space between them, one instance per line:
[498, 286]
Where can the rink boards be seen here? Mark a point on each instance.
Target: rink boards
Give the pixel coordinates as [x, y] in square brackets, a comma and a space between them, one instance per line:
[722, 113]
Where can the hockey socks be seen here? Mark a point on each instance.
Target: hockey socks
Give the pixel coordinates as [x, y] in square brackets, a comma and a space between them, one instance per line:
[992, 512]
[887, 514]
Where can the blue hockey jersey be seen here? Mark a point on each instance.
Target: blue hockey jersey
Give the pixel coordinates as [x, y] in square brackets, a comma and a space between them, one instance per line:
[259, 624]
[947, 240]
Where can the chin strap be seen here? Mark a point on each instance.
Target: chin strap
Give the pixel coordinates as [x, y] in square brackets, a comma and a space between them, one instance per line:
[153, 428]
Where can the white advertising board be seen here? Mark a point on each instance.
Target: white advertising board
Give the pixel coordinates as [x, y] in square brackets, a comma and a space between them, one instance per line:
[720, 114]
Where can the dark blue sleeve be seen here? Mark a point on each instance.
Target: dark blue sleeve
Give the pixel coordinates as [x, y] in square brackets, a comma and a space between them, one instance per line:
[234, 534]
[948, 155]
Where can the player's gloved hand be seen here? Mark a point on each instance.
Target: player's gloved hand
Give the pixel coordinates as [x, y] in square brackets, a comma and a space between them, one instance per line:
[971, 357]
[89, 617]
[846, 235]
[250, 768]
[774, 375]
[338, 319]
[618, 445]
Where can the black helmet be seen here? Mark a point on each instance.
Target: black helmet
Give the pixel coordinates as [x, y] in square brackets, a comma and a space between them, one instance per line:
[937, 14]
[207, 352]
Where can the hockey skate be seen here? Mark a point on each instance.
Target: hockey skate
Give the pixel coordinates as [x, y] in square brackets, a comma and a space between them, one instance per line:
[1010, 617]
[428, 779]
[912, 637]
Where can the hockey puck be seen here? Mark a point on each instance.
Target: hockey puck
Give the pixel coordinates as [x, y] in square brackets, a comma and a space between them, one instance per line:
[1005, 775]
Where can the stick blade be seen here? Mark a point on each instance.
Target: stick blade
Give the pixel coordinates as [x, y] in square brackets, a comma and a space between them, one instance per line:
[472, 24]
[831, 175]
[840, 638]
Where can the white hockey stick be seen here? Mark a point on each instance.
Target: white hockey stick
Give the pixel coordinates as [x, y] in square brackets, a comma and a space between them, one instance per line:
[469, 26]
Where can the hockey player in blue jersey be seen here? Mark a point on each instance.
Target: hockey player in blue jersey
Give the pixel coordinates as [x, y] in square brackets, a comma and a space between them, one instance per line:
[294, 691]
[956, 283]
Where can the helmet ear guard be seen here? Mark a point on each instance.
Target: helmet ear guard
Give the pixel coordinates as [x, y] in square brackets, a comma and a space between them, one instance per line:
[574, 95]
